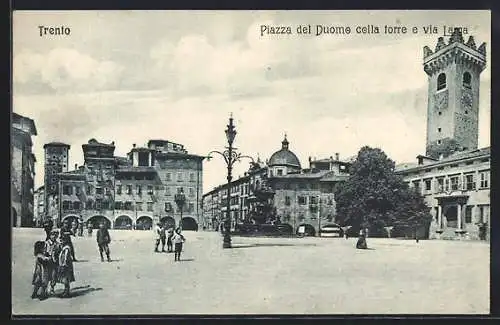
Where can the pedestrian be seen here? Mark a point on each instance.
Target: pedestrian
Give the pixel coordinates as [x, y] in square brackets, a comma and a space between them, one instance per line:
[361, 243]
[74, 227]
[41, 271]
[103, 240]
[89, 228]
[178, 240]
[169, 239]
[80, 227]
[65, 272]
[52, 249]
[65, 235]
[157, 232]
[47, 226]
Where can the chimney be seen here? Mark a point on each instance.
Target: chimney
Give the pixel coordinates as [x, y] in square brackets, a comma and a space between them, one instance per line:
[76, 166]
[331, 158]
[337, 156]
[133, 145]
[112, 143]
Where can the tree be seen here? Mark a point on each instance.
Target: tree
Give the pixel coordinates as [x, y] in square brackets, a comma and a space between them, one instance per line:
[374, 196]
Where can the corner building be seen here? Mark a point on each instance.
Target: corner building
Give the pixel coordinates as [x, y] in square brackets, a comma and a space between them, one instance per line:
[22, 171]
[454, 175]
[132, 192]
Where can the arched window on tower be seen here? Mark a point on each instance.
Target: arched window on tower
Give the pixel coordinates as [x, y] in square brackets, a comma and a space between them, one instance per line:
[441, 81]
[466, 80]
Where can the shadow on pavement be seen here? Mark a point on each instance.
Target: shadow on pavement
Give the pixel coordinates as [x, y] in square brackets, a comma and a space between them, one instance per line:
[80, 261]
[268, 245]
[187, 259]
[81, 291]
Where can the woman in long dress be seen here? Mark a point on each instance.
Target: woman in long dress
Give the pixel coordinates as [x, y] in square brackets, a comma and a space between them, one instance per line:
[41, 275]
[66, 273]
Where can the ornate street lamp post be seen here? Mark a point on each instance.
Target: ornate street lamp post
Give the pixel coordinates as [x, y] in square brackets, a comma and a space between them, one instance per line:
[180, 200]
[230, 156]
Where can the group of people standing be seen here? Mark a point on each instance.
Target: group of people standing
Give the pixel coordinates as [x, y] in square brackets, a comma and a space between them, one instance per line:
[54, 258]
[165, 234]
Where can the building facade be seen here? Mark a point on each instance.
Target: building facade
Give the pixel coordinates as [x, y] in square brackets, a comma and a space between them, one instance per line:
[22, 171]
[39, 206]
[132, 192]
[454, 175]
[280, 191]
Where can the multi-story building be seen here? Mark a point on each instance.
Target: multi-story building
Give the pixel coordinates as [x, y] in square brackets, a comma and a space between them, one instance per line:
[22, 170]
[454, 175]
[281, 191]
[39, 206]
[134, 191]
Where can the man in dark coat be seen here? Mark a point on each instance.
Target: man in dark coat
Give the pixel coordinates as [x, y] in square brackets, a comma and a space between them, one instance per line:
[103, 240]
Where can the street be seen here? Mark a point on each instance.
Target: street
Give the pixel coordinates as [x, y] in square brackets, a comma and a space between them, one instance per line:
[262, 276]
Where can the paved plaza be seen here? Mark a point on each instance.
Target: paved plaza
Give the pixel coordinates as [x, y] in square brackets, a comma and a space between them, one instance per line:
[262, 276]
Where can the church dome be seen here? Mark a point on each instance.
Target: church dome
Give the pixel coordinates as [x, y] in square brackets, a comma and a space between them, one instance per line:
[284, 157]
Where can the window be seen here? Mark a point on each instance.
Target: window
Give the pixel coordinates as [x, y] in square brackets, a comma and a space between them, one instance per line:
[179, 177]
[428, 184]
[167, 191]
[454, 181]
[90, 204]
[105, 205]
[67, 190]
[118, 189]
[180, 190]
[144, 159]
[313, 200]
[191, 207]
[439, 141]
[191, 192]
[330, 201]
[77, 190]
[169, 177]
[468, 214]
[129, 189]
[150, 206]
[138, 206]
[280, 172]
[287, 200]
[98, 204]
[128, 205]
[118, 205]
[150, 190]
[65, 205]
[441, 81]
[138, 189]
[76, 205]
[416, 186]
[107, 190]
[439, 129]
[302, 200]
[191, 177]
[439, 113]
[98, 190]
[446, 184]
[484, 178]
[470, 182]
[466, 80]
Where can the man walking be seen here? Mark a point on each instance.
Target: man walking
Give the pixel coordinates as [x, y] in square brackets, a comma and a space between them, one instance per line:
[47, 226]
[160, 236]
[178, 240]
[103, 240]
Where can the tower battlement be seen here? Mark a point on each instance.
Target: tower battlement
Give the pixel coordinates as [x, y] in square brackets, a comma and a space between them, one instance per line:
[453, 71]
[456, 51]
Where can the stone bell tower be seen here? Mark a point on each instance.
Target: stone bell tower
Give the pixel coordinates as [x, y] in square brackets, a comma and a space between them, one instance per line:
[453, 71]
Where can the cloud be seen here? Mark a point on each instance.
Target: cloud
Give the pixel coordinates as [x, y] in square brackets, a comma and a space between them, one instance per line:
[64, 70]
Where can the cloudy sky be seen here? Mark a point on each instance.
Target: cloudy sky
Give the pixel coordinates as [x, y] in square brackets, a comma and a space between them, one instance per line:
[131, 76]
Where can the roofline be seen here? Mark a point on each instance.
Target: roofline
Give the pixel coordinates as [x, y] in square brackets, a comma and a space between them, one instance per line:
[30, 120]
[442, 163]
[56, 144]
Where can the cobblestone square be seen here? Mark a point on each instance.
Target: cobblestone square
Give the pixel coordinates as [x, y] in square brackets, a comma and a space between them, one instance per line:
[262, 276]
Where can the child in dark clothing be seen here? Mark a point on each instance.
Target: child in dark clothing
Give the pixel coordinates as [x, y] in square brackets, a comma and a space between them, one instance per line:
[41, 276]
[65, 272]
[103, 239]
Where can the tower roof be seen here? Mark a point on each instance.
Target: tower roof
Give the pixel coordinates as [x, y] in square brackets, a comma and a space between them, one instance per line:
[456, 48]
[56, 144]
